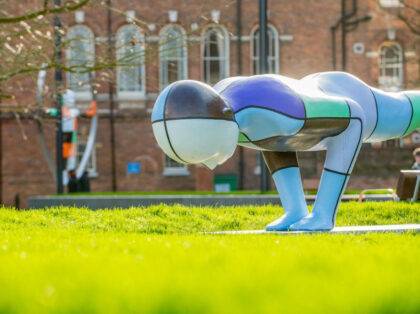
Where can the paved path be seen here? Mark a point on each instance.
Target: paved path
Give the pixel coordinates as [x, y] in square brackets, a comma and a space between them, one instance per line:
[337, 230]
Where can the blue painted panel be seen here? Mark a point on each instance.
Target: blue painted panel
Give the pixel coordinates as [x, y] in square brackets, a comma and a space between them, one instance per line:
[258, 123]
[289, 185]
[157, 113]
[394, 115]
[267, 92]
[331, 187]
[133, 167]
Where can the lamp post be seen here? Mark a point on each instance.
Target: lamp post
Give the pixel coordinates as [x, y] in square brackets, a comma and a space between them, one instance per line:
[263, 68]
[58, 59]
[241, 162]
[111, 100]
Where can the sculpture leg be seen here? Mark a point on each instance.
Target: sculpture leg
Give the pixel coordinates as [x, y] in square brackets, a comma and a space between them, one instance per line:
[342, 151]
[286, 175]
[331, 188]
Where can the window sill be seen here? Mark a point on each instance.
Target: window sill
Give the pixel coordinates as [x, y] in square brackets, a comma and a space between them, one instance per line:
[131, 96]
[391, 5]
[388, 88]
[83, 96]
[93, 174]
[176, 171]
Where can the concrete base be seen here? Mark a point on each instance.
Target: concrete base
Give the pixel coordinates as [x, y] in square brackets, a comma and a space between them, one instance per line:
[337, 230]
[127, 201]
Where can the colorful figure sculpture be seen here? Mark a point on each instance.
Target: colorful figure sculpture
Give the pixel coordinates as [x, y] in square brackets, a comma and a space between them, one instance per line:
[333, 111]
[70, 113]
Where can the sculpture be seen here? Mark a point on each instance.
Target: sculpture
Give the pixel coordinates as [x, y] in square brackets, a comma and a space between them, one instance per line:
[70, 115]
[333, 111]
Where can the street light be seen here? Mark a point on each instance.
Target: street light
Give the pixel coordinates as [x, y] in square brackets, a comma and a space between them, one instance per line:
[263, 68]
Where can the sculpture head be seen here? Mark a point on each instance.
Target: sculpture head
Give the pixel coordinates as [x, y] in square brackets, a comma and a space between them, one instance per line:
[69, 99]
[193, 124]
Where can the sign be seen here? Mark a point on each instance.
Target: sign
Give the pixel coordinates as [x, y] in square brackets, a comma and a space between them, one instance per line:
[133, 167]
[222, 187]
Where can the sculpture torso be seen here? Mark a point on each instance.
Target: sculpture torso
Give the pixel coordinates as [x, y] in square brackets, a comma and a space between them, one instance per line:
[274, 114]
[277, 113]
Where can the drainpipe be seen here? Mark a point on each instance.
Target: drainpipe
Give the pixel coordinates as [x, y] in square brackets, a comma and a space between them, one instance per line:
[343, 36]
[111, 101]
[263, 49]
[344, 22]
[341, 22]
[241, 162]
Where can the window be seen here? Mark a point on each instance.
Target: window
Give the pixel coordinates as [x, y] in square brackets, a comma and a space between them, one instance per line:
[173, 67]
[130, 62]
[257, 169]
[91, 165]
[80, 56]
[215, 54]
[391, 66]
[273, 50]
[173, 55]
[390, 3]
[174, 168]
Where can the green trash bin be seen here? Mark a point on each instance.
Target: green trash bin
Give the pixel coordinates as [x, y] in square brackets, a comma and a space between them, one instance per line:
[225, 182]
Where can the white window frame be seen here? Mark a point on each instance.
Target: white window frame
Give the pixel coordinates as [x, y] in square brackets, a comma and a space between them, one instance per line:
[275, 58]
[391, 83]
[92, 166]
[85, 93]
[181, 170]
[224, 59]
[130, 95]
[163, 38]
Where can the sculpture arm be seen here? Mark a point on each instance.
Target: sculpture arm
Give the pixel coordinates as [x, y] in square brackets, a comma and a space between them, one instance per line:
[52, 112]
[284, 169]
[342, 151]
[91, 110]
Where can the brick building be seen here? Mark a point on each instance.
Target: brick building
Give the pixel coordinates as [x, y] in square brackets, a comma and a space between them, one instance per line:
[209, 41]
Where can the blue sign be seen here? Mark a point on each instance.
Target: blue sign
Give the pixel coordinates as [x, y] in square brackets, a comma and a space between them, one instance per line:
[134, 167]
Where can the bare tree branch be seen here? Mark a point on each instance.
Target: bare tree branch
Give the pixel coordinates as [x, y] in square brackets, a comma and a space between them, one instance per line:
[411, 25]
[409, 6]
[67, 7]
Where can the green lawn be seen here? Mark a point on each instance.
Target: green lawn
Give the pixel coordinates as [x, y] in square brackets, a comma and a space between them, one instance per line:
[157, 260]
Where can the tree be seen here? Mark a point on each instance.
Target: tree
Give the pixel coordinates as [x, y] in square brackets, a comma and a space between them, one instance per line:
[409, 13]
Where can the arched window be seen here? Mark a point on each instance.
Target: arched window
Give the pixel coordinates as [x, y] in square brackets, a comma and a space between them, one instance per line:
[80, 56]
[215, 54]
[173, 55]
[273, 50]
[391, 66]
[130, 61]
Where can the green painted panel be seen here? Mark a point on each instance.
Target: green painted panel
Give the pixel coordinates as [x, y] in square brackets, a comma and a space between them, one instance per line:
[414, 97]
[325, 107]
[242, 138]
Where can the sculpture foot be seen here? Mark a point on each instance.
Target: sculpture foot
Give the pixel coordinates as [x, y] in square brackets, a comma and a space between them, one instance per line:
[313, 223]
[284, 222]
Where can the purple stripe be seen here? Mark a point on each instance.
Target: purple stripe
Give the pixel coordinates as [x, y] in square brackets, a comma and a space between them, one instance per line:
[266, 92]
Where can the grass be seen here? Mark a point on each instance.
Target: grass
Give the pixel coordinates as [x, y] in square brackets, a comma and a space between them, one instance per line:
[157, 260]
